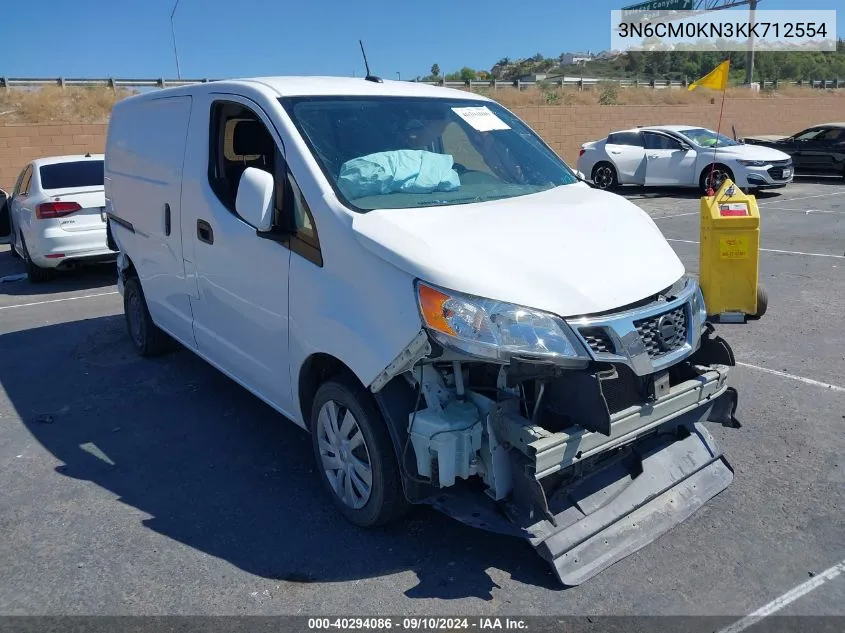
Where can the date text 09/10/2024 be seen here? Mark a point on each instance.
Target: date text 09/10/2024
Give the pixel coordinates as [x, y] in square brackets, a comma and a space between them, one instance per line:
[417, 624]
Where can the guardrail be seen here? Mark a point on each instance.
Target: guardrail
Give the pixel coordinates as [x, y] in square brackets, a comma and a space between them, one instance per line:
[10, 83]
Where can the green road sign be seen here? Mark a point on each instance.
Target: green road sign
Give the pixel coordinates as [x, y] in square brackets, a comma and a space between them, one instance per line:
[657, 5]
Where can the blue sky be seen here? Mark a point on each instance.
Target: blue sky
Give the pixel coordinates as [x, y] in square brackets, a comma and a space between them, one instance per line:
[226, 38]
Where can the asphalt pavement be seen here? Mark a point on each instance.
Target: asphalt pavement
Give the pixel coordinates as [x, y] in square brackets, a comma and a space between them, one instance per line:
[136, 486]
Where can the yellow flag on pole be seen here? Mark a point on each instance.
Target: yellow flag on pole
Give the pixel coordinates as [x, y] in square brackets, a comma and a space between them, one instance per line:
[717, 79]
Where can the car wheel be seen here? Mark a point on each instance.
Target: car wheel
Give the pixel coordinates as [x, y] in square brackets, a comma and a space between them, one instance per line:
[148, 339]
[604, 176]
[34, 273]
[720, 174]
[355, 455]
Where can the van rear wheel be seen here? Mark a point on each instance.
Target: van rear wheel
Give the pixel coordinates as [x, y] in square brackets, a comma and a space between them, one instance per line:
[148, 339]
[355, 455]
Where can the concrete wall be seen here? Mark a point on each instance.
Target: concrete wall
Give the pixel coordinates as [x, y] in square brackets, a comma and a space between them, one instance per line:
[19, 144]
[563, 127]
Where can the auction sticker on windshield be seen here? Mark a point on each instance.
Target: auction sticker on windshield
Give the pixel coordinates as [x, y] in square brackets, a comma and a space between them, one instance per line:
[481, 118]
[733, 247]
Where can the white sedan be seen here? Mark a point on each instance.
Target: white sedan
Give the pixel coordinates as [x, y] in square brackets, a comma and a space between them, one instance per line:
[681, 156]
[57, 214]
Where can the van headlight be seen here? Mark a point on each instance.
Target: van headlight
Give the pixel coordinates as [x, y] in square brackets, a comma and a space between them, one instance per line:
[699, 309]
[753, 163]
[486, 328]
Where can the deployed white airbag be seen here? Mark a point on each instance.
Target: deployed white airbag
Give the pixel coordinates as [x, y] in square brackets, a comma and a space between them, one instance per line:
[404, 170]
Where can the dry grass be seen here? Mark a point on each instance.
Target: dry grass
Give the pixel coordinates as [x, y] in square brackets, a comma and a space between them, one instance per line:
[52, 104]
[610, 94]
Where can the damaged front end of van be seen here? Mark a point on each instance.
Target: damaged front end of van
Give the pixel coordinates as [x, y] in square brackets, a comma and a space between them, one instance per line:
[582, 434]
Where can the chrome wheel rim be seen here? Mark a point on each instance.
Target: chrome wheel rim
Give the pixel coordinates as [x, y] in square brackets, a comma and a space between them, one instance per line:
[603, 177]
[719, 176]
[134, 315]
[344, 455]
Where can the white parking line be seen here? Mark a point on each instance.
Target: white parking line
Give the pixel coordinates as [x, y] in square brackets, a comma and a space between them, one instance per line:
[39, 303]
[804, 211]
[770, 250]
[677, 215]
[783, 374]
[821, 195]
[788, 598]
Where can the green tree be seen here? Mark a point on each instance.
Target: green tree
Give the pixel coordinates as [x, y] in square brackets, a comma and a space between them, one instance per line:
[435, 71]
[467, 74]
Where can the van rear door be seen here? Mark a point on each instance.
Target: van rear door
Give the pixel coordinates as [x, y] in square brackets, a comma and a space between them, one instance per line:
[144, 159]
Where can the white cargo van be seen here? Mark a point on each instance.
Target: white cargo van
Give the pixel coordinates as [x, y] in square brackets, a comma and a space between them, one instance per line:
[412, 275]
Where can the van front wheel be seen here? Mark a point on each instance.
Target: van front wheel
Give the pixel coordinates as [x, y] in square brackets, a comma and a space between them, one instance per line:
[355, 455]
[148, 339]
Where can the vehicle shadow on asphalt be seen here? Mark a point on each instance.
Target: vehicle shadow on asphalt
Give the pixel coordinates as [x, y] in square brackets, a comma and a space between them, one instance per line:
[84, 278]
[223, 473]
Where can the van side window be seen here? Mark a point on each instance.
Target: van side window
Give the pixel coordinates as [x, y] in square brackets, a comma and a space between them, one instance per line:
[304, 240]
[238, 139]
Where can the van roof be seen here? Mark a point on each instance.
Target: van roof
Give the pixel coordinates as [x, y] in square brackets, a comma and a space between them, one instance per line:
[301, 86]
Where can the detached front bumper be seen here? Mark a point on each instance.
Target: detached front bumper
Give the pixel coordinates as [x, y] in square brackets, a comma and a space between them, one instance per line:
[623, 507]
[585, 500]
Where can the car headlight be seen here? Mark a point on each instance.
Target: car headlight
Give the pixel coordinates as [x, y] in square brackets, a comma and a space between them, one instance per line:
[753, 163]
[486, 328]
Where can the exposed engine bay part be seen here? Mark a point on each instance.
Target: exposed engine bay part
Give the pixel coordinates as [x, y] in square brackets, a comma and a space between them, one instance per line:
[447, 442]
[589, 465]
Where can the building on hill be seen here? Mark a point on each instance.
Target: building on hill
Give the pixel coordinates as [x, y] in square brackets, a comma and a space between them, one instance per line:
[568, 59]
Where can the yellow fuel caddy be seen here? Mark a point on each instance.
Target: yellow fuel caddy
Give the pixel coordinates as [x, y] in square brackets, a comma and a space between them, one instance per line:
[729, 256]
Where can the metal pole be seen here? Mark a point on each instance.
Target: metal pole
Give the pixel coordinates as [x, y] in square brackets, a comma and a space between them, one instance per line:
[749, 60]
[173, 33]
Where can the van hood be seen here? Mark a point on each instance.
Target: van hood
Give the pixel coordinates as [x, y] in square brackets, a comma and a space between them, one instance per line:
[572, 250]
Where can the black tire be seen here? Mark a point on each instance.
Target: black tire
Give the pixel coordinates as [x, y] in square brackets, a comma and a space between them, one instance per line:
[145, 335]
[386, 500]
[34, 273]
[762, 303]
[718, 168]
[604, 176]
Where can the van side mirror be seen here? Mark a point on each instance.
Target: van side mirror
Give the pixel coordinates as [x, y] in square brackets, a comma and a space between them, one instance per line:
[254, 202]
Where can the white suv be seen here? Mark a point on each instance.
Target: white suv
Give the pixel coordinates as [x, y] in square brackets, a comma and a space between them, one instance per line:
[57, 214]
[412, 275]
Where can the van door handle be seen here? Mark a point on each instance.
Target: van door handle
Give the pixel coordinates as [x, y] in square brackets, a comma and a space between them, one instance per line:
[166, 219]
[654, 155]
[204, 232]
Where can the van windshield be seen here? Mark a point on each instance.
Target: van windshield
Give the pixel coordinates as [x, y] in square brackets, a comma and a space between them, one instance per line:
[403, 152]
